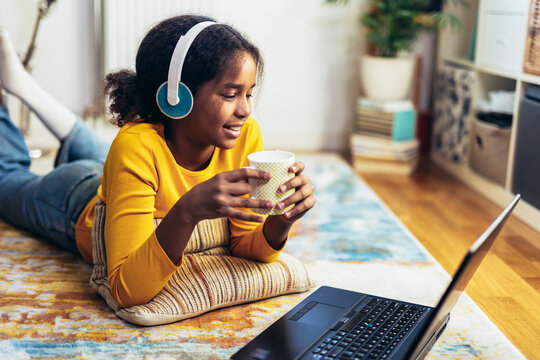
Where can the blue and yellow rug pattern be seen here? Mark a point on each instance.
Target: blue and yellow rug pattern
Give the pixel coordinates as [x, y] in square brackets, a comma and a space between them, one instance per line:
[350, 239]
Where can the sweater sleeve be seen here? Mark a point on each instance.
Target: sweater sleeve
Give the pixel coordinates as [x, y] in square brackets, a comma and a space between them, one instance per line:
[138, 267]
[248, 241]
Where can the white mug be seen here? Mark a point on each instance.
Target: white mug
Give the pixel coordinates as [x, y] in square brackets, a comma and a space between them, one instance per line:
[277, 163]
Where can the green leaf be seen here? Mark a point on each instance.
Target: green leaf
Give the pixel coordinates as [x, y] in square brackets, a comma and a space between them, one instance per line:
[394, 25]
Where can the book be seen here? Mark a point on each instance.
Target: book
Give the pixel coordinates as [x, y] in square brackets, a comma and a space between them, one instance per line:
[374, 147]
[394, 120]
[383, 140]
[378, 166]
[385, 105]
[383, 155]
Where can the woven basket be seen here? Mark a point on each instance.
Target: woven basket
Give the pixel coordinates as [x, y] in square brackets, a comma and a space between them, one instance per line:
[532, 52]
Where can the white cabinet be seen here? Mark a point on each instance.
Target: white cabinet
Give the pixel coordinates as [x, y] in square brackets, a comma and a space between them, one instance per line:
[491, 45]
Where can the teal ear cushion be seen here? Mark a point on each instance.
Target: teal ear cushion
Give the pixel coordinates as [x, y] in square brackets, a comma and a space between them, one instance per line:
[180, 110]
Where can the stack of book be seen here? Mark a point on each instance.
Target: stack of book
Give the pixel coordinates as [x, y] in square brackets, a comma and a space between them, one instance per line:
[383, 139]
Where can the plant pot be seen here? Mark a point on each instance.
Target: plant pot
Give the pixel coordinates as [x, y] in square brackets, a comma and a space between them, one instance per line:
[386, 78]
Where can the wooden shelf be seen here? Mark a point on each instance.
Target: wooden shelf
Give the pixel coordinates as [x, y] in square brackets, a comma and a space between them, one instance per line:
[530, 79]
[467, 64]
[497, 72]
[453, 50]
[460, 62]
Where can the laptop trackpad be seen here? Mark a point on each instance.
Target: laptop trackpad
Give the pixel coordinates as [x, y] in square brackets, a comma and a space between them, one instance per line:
[322, 315]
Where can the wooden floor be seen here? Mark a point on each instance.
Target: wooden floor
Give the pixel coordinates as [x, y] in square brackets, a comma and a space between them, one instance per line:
[446, 217]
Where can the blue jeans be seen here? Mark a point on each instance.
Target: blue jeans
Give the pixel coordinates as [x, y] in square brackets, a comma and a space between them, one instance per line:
[49, 205]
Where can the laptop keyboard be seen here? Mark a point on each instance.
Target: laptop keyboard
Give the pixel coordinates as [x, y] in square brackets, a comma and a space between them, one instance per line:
[371, 333]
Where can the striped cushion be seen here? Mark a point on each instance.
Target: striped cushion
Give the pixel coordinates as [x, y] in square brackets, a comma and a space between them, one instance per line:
[210, 278]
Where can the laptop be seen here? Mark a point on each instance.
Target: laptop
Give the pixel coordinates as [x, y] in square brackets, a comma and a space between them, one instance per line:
[333, 323]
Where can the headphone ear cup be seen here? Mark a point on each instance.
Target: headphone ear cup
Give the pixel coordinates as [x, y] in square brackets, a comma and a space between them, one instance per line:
[180, 110]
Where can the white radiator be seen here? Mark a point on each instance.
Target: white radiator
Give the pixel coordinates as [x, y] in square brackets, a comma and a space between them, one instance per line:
[125, 22]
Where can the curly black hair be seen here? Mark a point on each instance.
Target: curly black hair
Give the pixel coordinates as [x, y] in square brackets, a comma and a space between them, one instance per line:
[132, 94]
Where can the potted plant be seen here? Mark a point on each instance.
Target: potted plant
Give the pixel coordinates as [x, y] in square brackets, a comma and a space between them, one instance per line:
[391, 29]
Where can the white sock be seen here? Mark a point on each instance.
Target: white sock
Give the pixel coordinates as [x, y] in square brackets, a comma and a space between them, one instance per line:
[16, 80]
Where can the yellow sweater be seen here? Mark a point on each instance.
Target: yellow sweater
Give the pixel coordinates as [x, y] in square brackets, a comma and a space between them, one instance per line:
[141, 181]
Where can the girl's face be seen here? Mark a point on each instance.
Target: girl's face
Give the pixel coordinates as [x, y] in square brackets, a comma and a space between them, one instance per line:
[223, 105]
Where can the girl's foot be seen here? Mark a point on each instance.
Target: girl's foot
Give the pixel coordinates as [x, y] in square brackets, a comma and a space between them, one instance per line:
[13, 77]
[17, 81]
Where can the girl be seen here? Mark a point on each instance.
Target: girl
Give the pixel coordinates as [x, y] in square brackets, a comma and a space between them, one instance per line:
[175, 172]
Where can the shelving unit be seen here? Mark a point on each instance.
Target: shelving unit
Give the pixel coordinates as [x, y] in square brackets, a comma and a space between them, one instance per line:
[454, 48]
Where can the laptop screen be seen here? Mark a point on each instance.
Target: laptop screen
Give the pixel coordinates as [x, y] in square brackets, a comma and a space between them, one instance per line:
[463, 275]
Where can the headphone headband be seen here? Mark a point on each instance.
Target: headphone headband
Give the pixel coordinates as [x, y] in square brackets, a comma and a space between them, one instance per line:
[178, 58]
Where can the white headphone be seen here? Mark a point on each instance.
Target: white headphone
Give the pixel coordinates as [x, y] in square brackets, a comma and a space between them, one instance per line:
[173, 97]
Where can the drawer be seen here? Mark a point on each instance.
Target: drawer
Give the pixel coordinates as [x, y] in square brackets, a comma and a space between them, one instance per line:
[503, 43]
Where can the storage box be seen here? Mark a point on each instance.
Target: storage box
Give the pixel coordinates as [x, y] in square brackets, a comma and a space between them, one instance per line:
[526, 175]
[489, 151]
[453, 115]
[505, 6]
[504, 33]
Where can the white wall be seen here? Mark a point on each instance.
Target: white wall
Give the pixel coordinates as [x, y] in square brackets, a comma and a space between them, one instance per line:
[310, 50]
[62, 62]
[311, 79]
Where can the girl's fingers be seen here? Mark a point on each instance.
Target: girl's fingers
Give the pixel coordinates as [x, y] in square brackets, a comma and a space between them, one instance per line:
[244, 202]
[242, 215]
[302, 207]
[233, 184]
[222, 202]
[297, 167]
[294, 183]
[236, 189]
[300, 194]
[246, 173]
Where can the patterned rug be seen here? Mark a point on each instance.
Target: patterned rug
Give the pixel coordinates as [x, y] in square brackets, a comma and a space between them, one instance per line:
[349, 240]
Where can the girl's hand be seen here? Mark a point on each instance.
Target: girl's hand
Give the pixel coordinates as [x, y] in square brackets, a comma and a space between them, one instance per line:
[303, 198]
[222, 195]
